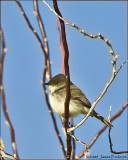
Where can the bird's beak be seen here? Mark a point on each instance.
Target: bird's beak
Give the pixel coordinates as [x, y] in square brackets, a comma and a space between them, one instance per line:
[46, 83]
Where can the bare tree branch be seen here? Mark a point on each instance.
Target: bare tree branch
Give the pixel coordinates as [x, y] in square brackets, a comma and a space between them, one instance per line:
[77, 140]
[102, 130]
[67, 99]
[62, 71]
[8, 121]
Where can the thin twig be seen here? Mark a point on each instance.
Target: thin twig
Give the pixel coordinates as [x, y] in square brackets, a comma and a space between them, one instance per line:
[46, 48]
[30, 26]
[8, 121]
[67, 99]
[110, 141]
[44, 75]
[77, 140]
[72, 24]
[102, 130]
[121, 66]
[109, 117]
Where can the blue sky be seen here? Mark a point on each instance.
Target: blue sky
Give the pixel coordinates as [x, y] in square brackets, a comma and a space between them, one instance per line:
[90, 69]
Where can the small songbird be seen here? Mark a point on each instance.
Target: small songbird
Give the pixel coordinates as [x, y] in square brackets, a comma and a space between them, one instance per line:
[79, 104]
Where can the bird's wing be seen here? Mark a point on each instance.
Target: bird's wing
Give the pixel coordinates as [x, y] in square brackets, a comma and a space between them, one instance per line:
[78, 95]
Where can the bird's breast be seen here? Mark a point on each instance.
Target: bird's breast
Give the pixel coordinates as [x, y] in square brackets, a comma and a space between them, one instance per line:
[57, 104]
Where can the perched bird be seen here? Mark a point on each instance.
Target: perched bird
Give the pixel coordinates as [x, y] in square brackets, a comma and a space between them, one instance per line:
[79, 104]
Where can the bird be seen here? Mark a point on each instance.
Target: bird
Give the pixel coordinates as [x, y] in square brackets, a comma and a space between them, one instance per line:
[79, 104]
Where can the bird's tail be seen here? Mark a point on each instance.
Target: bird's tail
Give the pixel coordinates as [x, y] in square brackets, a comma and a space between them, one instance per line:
[98, 116]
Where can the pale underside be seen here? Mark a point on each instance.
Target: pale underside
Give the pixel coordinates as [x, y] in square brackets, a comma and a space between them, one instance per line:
[79, 104]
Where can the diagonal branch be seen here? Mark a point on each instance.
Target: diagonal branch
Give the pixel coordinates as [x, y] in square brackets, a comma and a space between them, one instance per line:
[67, 99]
[77, 140]
[8, 121]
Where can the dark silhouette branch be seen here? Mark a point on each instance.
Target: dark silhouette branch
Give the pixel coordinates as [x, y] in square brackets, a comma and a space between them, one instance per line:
[110, 141]
[67, 99]
[102, 130]
[8, 121]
